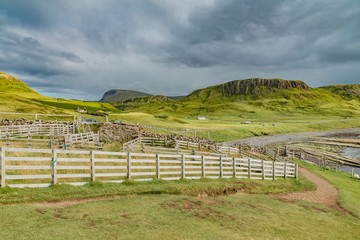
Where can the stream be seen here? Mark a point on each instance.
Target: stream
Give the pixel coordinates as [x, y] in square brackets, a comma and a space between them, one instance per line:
[350, 152]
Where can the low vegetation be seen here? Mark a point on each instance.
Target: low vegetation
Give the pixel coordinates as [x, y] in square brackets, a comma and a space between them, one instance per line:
[205, 209]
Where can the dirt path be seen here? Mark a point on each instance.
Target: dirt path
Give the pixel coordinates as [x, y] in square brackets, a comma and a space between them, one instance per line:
[325, 193]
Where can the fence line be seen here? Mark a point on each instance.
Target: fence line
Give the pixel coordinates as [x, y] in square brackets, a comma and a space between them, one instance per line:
[22, 167]
[36, 115]
[81, 138]
[18, 131]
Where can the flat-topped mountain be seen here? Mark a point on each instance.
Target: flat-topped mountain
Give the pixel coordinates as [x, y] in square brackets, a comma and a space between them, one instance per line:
[119, 95]
[250, 86]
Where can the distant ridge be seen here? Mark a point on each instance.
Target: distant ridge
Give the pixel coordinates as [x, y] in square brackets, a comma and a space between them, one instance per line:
[118, 95]
[248, 86]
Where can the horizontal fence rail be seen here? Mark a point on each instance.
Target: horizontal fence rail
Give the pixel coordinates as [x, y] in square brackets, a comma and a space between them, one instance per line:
[81, 138]
[22, 167]
[16, 131]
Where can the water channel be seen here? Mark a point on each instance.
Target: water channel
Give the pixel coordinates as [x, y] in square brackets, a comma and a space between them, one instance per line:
[354, 153]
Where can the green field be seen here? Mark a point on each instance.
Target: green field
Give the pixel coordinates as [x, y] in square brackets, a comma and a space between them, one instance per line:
[269, 111]
[185, 209]
[205, 209]
[225, 128]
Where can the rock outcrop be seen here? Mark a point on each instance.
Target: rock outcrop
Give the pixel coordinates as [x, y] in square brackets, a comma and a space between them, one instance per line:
[113, 132]
[248, 86]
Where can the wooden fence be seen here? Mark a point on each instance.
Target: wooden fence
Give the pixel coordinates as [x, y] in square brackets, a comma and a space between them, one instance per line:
[21, 131]
[37, 115]
[22, 167]
[81, 138]
[229, 150]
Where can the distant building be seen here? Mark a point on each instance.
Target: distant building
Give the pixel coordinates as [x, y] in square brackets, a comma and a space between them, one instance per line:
[201, 118]
[81, 110]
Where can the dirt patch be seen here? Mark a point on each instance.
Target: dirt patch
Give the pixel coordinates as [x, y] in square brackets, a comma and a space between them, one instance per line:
[199, 208]
[63, 204]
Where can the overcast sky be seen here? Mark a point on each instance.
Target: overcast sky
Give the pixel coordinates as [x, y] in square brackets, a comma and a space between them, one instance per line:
[80, 49]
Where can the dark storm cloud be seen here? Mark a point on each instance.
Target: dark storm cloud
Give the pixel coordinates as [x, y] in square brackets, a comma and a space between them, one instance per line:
[258, 33]
[24, 54]
[172, 47]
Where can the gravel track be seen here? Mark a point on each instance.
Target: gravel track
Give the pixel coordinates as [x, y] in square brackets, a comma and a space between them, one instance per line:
[289, 137]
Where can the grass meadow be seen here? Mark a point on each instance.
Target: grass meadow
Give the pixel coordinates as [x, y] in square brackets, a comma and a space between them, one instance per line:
[185, 209]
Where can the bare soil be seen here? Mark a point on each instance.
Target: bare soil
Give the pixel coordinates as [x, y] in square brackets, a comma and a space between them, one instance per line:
[325, 193]
[68, 203]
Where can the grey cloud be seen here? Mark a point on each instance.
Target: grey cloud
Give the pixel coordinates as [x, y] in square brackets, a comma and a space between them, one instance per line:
[94, 46]
[251, 33]
[26, 54]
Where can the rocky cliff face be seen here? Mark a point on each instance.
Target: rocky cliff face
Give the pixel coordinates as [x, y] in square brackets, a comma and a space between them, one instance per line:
[249, 86]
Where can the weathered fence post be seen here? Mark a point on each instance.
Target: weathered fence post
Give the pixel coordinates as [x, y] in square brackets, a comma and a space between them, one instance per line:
[296, 171]
[285, 169]
[53, 166]
[203, 166]
[158, 166]
[273, 170]
[221, 167]
[129, 165]
[262, 169]
[249, 168]
[92, 160]
[3, 174]
[183, 166]
[234, 167]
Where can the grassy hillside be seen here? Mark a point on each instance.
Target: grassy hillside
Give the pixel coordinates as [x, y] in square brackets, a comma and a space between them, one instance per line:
[263, 101]
[348, 92]
[271, 108]
[16, 96]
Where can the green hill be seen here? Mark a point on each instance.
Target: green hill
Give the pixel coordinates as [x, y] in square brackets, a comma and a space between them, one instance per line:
[16, 96]
[9, 84]
[118, 95]
[262, 97]
[347, 92]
